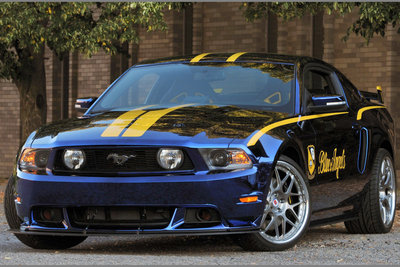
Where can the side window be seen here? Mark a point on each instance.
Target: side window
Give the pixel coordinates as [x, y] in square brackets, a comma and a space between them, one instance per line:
[351, 91]
[319, 83]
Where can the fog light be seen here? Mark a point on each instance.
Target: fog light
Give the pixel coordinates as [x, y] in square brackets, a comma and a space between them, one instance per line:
[74, 159]
[204, 215]
[53, 215]
[47, 214]
[170, 159]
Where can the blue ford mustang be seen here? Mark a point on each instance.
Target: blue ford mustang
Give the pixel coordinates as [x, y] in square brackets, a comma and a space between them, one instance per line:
[257, 145]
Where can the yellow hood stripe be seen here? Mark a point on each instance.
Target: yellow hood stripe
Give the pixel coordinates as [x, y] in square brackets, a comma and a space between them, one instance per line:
[361, 110]
[141, 125]
[264, 130]
[120, 123]
[234, 57]
[199, 57]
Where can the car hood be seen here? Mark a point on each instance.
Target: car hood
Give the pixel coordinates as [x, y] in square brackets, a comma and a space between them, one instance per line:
[191, 126]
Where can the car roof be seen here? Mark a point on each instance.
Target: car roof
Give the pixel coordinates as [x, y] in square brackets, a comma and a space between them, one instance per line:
[242, 56]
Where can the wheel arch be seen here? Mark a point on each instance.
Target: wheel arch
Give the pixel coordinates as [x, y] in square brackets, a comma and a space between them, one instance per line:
[380, 139]
[292, 151]
[386, 145]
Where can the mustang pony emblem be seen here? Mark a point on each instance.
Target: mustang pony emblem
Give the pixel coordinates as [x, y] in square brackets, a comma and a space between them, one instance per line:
[311, 161]
[119, 159]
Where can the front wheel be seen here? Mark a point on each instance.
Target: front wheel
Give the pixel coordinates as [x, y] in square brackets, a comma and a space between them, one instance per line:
[287, 212]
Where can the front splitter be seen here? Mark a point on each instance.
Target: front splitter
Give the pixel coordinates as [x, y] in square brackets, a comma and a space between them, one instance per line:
[91, 232]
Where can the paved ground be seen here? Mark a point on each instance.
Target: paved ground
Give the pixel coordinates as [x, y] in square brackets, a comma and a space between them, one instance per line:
[323, 245]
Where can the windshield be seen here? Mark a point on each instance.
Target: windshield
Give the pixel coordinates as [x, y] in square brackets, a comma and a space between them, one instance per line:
[268, 86]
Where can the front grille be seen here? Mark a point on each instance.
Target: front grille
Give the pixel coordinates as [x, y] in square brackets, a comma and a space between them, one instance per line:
[144, 161]
[122, 217]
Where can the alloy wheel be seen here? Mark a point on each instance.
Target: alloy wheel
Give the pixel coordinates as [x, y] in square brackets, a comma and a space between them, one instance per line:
[387, 200]
[286, 212]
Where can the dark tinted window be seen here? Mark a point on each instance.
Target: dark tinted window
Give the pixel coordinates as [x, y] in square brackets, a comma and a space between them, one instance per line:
[352, 93]
[318, 83]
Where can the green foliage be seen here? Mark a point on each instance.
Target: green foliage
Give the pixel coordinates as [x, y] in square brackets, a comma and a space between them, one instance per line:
[285, 10]
[25, 27]
[373, 17]
[179, 5]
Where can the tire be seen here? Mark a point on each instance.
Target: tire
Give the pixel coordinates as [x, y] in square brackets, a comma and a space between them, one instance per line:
[284, 203]
[34, 241]
[378, 204]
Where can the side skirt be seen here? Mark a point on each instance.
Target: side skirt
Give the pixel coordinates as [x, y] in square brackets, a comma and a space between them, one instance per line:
[340, 218]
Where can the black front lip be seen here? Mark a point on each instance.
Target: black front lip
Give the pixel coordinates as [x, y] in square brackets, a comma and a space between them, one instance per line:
[31, 230]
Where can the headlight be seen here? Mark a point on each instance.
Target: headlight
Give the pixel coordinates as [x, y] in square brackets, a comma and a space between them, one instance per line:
[219, 158]
[170, 159]
[226, 159]
[34, 160]
[74, 159]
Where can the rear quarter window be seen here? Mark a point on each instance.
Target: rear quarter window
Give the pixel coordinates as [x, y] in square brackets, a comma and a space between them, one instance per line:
[352, 93]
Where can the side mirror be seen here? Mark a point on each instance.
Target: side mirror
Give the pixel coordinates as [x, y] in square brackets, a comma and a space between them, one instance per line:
[82, 104]
[323, 104]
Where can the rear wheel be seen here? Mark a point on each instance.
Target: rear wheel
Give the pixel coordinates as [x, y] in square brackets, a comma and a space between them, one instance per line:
[378, 205]
[34, 241]
[287, 212]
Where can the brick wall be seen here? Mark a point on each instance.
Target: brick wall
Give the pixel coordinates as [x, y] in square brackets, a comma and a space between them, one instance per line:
[366, 66]
[294, 37]
[93, 74]
[220, 27]
[50, 86]
[9, 127]
[162, 44]
[217, 27]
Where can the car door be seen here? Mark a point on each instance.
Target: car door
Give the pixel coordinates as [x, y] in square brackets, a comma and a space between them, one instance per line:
[336, 142]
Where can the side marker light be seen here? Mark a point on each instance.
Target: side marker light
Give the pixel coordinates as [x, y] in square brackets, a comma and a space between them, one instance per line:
[249, 199]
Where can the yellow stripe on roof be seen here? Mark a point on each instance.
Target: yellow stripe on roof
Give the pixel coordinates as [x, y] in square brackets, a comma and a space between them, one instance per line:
[141, 125]
[268, 128]
[362, 110]
[199, 57]
[119, 124]
[235, 56]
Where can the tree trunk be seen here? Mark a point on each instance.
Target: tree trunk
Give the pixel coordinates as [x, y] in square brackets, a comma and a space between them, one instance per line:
[32, 91]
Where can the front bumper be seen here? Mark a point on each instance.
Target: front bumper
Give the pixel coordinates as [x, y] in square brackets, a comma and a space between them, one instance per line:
[220, 192]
